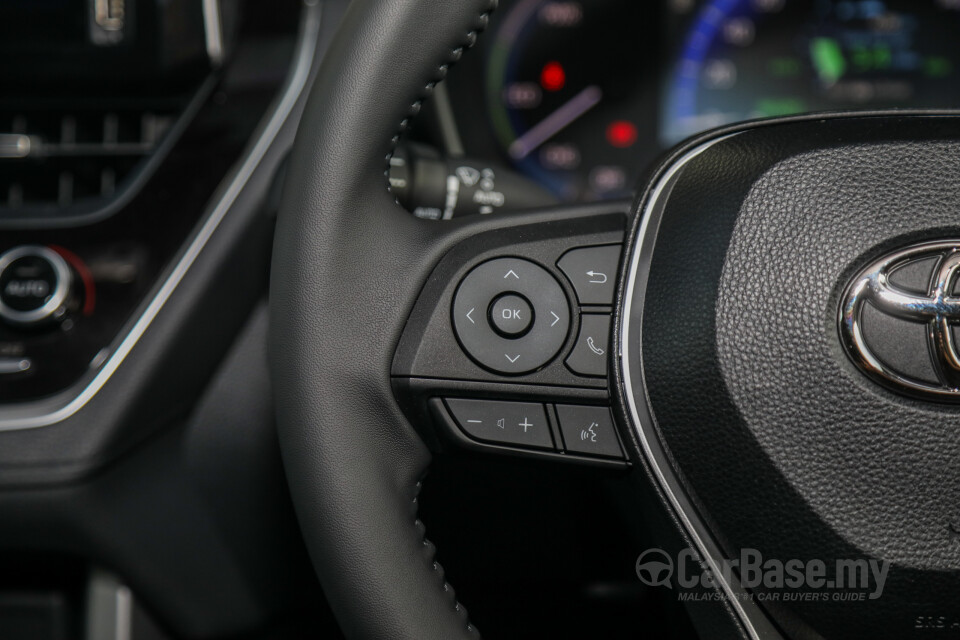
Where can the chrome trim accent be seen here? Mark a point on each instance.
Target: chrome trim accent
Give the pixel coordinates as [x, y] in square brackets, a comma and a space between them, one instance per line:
[10, 366]
[60, 289]
[755, 624]
[109, 608]
[296, 82]
[213, 30]
[939, 309]
[15, 145]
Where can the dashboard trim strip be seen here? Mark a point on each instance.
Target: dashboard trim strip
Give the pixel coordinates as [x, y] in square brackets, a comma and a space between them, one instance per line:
[295, 85]
[213, 31]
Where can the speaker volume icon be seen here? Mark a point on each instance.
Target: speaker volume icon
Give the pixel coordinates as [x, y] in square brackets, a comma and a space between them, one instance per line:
[589, 433]
[502, 423]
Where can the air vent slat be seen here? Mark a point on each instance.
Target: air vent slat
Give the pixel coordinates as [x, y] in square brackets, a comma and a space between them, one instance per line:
[52, 160]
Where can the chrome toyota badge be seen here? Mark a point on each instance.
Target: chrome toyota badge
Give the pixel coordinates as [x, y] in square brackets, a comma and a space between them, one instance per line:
[900, 320]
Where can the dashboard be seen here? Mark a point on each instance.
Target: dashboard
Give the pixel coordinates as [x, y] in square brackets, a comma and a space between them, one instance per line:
[580, 95]
[112, 143]
[143, 149]
[141, 144]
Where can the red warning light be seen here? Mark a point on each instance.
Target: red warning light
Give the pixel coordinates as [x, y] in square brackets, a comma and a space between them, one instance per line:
[553, 77]
[622, 134]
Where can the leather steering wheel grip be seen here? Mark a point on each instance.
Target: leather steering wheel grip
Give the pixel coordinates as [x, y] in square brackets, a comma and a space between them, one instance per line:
[348, 265]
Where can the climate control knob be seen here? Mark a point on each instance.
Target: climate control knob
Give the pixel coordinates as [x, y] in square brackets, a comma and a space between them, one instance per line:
[34, 284]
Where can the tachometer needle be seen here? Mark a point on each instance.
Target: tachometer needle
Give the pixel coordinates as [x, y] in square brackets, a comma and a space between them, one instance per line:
[556, 122]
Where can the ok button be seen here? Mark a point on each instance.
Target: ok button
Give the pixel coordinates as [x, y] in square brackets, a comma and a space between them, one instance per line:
[511, 315]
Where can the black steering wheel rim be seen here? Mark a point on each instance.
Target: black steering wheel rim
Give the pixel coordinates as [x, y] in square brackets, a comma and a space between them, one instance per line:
[349, 263]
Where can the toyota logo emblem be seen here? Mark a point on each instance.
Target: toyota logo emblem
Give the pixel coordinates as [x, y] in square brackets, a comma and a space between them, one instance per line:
[900, 320]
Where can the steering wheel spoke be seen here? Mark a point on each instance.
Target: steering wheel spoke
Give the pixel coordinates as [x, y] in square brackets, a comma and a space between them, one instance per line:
[507, 349]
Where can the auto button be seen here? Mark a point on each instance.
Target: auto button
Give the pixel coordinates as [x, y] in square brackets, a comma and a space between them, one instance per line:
[34, 283]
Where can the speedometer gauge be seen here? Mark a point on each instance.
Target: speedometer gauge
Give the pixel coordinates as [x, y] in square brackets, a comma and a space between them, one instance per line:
[565, 93]
[744, 59]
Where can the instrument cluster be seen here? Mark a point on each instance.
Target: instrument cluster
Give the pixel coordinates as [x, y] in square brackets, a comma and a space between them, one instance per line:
[581, 95]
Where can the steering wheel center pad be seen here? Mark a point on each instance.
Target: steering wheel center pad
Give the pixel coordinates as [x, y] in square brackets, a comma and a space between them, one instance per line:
[784, 446]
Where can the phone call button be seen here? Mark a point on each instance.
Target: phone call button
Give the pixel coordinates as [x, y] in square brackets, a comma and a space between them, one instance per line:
[590, 354]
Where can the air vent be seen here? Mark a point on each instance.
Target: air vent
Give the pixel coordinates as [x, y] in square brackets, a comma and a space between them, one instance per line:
[65, 163]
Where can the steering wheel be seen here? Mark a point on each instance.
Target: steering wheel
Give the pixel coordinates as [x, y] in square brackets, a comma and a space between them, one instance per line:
[781, 288]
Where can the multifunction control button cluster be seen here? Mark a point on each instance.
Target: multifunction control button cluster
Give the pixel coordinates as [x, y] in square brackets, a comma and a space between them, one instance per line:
[511, 315]
[576, 429]
[509, 352]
